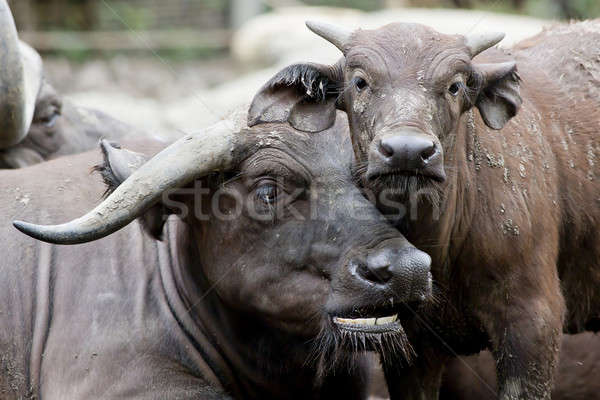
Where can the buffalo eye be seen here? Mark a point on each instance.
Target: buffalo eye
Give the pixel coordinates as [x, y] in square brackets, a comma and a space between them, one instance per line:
[360, 84]
[50, 120]
[454, 89]
[50, 116]
[267, 193]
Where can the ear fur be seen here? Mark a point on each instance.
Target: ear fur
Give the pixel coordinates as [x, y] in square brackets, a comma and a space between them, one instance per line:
[499, 96]
[118, 165]
[303, 95]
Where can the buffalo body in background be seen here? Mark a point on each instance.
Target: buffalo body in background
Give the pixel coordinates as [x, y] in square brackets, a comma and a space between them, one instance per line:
[35, 123]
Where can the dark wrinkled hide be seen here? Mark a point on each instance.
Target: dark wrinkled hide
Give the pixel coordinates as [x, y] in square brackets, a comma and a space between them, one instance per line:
[509, 216]
[219, 308]
[577, 376]
[59, 129]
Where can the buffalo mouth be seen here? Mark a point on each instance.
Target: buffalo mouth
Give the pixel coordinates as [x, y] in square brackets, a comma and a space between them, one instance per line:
[367, 320]
[387, 324]
[356, 329]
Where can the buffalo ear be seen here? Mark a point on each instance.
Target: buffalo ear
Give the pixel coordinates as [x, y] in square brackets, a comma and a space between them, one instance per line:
[118, 165]
[303, 95]
[499, 99]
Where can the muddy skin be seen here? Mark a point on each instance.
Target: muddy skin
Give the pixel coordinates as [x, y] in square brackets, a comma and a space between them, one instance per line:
[507, 200]
[474, 377]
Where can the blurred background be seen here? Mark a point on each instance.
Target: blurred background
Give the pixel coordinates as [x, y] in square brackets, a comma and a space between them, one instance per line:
[176, 66]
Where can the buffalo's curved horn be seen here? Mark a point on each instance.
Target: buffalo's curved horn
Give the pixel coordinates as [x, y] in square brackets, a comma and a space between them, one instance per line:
[336, 35]
[478, 42]
[20, 81]
[188, 158]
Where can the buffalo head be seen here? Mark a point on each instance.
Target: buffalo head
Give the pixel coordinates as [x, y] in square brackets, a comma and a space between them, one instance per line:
[280, 231]
[35, 125]
[404, 88]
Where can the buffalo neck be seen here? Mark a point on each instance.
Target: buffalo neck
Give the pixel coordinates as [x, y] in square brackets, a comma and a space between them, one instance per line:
[442, 230]
[248, 358]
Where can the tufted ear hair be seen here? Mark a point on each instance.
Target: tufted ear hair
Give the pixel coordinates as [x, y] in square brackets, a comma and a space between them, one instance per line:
[118, 164]
[303, 95]
[499, 97]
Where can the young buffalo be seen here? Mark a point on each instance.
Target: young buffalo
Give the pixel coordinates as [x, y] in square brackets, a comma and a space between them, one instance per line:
[508, 207]
[274, 279]
[577, 375]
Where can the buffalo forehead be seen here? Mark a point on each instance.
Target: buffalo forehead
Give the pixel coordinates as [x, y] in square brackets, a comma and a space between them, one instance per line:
[403, 46]
[326, 151]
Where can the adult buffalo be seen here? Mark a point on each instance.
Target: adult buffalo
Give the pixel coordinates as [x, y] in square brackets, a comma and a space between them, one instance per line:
[263, 288]
[577, 376]
[508, 207]
[35, 125]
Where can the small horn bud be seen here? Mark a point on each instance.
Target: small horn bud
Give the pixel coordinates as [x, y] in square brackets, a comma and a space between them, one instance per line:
[336, 35]
[476, 43]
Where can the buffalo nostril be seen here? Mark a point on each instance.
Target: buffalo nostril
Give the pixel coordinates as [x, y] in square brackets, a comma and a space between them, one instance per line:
[380, 274]
[428, 153]
[385, 149]
[407, 152]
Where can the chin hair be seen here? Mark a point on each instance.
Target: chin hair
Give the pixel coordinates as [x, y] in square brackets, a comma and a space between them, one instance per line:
[335, 349]
[406, 189]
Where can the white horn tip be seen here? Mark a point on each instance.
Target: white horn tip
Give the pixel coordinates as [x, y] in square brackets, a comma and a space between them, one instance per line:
[498, 36]
[314, 26]
[336, 35]
[481, 42]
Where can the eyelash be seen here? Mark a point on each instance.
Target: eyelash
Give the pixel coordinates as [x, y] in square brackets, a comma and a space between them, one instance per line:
[458, 86]
[360, 84]
[265, 190]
